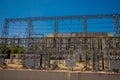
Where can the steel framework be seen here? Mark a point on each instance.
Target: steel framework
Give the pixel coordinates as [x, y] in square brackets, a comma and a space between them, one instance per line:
[95, 49]
[57, 18]
[98, 50]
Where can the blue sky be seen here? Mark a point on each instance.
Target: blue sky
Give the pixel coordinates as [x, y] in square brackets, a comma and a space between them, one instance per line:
[32, 8]
[38, 8]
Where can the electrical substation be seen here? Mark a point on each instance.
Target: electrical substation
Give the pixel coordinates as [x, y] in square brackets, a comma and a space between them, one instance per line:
[67, 40]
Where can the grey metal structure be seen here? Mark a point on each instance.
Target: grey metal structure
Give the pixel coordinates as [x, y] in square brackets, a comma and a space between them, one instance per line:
[96, 49]
[56, 19]
[2, 60]
[115, 63]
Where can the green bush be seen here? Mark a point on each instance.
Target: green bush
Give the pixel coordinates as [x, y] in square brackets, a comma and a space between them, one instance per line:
[8, 51]
[15, 50]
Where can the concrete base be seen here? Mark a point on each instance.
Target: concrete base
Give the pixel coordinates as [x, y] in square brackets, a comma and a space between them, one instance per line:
[55, 75]
[94, 76]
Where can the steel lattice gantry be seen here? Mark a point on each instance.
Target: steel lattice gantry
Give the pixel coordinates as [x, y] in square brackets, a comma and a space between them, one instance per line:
[56, 19]
[95, 49]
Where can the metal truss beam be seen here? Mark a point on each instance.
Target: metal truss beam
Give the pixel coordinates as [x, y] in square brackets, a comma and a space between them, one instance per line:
[64, 17]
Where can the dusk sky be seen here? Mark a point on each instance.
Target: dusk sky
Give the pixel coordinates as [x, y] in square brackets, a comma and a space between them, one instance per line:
[38, 8]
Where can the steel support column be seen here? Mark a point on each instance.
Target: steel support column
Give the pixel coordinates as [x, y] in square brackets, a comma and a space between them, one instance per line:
[116, 25]
[56, 27]
[29, 31]
[84, 21]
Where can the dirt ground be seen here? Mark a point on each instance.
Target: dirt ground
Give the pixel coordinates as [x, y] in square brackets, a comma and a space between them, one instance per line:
[78, 67]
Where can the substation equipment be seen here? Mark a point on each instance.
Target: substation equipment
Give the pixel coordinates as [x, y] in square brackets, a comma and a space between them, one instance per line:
[98, 52]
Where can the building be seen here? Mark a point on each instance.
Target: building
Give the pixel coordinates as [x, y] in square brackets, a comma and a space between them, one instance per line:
[81, 34]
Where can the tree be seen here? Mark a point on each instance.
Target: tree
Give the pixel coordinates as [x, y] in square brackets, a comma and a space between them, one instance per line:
[15, 50]
[8, 51]
[21, 50]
